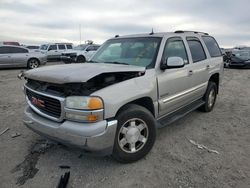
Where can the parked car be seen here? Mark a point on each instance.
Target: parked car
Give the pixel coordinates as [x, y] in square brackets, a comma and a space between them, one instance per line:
[33, 48]
[131, 86]
[10, 43]
[240, 58]
[17, 56]
[55, 50]
[80, 54]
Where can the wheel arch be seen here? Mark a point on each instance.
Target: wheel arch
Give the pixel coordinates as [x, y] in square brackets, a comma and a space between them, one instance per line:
[216, 79]
[145, 102]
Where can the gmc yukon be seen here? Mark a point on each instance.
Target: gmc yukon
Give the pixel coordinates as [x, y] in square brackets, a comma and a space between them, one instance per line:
[113, 104]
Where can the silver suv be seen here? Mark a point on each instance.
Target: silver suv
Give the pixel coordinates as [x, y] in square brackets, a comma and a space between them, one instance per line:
[131, 86]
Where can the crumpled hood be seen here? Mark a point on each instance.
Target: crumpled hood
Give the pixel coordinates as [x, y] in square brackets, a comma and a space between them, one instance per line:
[77, 73]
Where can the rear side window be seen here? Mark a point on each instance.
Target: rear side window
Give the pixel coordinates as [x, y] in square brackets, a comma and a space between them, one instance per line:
[61, 47]
[69, 46]
[175, 48]
[11, 50]
[212, 46]
[197, 51]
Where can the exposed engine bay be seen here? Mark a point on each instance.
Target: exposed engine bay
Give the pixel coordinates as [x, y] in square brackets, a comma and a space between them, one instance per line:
[86, 88]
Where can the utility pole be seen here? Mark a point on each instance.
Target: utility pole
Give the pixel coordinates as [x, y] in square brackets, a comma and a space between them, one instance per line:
[80, 32]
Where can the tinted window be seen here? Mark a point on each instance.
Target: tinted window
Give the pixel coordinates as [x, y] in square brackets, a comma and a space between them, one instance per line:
[96, 47]
[90, 48]
[8, 50]
[69, 46]
[61, 47]
[212, 46]
[196, 49]
[32, 47]
[4, 50]
[52, 47]
[175, 48]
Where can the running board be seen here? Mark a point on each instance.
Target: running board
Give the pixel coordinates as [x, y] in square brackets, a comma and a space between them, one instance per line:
[164, 121]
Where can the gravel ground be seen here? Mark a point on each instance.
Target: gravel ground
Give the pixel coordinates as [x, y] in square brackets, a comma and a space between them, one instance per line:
[31, 161]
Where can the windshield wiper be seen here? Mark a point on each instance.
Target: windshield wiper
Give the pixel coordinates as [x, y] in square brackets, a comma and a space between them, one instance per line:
[116, 62]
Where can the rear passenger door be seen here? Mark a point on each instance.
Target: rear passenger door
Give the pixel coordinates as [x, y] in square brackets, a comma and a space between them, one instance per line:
[174, 84]
[19, 56]
[199, 67]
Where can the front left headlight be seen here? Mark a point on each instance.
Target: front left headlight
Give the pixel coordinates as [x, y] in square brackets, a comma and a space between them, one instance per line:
[84, 109]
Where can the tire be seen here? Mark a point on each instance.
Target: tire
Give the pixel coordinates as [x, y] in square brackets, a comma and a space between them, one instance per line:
[135, 135]
[80, 59]
[209, 97]
[33, 63]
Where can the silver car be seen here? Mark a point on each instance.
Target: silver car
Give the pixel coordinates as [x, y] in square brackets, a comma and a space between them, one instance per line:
[17, 56]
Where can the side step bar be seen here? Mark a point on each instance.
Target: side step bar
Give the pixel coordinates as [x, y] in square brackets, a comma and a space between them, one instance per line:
[164, 121]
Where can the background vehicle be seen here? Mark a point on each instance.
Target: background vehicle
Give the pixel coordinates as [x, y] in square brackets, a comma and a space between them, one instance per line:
[240, 58]
[131, 86]
[80, 54]
[10, 43]
[55, 50]
[17, 56]
[33, 48]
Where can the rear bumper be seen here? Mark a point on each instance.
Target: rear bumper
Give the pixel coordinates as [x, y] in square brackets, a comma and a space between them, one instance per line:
[93, 137]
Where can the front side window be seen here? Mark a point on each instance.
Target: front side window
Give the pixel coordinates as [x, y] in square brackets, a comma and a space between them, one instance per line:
[52, 47]
[212, 46]
[175, 48]
[141, 51]
[61, 47]
[197, 51]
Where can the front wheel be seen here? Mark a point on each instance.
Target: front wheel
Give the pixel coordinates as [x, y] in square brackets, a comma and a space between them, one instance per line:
[135, 134]
[209, 97]
[33, 63]
[80, 59]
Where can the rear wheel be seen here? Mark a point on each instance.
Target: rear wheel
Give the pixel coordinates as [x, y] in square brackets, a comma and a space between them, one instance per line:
[33, 63]
[80, 59]
[209, 97]
[135, 134]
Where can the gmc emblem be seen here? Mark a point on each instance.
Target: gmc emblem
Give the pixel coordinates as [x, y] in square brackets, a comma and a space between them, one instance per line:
[38, 102]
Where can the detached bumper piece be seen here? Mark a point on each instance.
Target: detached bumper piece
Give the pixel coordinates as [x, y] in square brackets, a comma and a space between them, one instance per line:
[92, 137]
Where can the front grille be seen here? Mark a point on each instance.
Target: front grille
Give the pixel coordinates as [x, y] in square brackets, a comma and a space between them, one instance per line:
[47, 105]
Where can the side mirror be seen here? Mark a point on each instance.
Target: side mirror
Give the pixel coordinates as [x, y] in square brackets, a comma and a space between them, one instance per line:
[173, 62]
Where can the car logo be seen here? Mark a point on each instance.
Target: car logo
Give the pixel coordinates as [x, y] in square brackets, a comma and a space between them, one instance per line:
[38, 102]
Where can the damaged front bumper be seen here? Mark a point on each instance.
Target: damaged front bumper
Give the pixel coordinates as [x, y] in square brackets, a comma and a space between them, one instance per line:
[93, 137]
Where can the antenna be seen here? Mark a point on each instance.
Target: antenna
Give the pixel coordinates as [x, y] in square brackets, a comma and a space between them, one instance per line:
[152, 32]
[80, 32]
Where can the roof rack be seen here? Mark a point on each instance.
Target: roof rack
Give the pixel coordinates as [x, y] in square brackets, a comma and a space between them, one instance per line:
[196, 32]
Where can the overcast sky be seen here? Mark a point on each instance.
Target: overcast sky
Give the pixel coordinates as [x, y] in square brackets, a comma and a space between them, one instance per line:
[42, 21]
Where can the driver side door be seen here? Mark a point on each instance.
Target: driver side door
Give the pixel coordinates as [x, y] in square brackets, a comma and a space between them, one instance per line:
[174, 83]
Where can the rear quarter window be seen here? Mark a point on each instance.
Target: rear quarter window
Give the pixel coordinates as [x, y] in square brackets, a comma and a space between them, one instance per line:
[212, 46]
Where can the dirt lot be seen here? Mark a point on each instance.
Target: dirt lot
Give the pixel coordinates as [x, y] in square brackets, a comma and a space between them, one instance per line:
[30, 161]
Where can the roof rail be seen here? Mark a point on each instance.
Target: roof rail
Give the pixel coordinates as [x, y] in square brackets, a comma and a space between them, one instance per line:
[196, 32]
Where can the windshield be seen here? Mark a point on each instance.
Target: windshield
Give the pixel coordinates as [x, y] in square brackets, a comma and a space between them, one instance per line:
[140, 51]
[44, 47]
[244, 55]
[80, 47]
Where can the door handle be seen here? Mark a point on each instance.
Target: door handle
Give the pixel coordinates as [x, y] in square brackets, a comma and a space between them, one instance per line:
[208, 67]
[190, 73]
